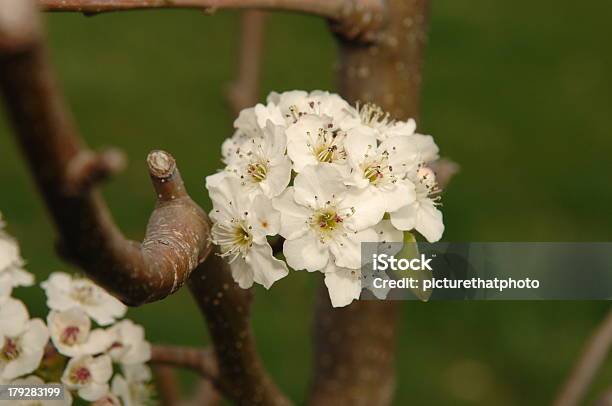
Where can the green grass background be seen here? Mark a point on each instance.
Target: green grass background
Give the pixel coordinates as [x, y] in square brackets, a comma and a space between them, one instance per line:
[517, 92]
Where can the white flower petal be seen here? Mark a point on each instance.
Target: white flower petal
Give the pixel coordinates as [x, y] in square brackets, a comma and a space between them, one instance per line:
[368, 207]
[316, 185]
[429, 221]
[343, 285]
[398, 195]
[293, 216]
[306, 252]
[347, 248]
[266, 268]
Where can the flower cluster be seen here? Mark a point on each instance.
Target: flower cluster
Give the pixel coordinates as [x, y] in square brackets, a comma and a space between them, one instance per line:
[69, 348]
[325, 176]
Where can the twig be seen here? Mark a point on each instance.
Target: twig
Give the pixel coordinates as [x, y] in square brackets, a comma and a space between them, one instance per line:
[198, 360]
[167, 385]
[594, 354]
[244, 91]
[355, 18]
[65, 171]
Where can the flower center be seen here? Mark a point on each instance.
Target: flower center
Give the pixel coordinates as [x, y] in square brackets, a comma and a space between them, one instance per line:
[80, 375]
[70, 335]
[83, 293]
[235, 238]
[326, 220]
[258, 171]
[10, 350]
[328, 145]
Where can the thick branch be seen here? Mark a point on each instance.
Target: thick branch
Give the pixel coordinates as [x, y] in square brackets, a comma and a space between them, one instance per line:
[65, 170]
[242, 376]
[244, 91]
[355, 345]
[352, 17]
[594, 354]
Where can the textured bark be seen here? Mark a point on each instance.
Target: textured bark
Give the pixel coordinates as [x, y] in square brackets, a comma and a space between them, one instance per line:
[355, 345]
[226, 306]
[64, 169]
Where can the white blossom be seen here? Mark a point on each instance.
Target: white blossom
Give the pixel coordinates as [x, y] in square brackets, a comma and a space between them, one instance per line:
[11, 263]
[351, 165]
[133, 387]
[88, 376]
[128, 343]
[37, 381]
[65, 292]
[319, 216]
[423, 214]
[296, 104]
[345, 285]
[314, 140]
[382, 169]
[241, 225]
[72, 335]
[22, 340]
[261, 163]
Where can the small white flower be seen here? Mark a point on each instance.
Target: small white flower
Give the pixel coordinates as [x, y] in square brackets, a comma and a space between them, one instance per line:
[35, 380]
[72, 335]
[22, 341]
[65, 292]
[319, 216]
[296, 104]
[249, 125]
[89, 376]
[128, 343]
[345, 285]
[314, 140]
[11, 262]
[382, 169]
[261, 163]
[134, 387]
[422, 215]
[241, 225]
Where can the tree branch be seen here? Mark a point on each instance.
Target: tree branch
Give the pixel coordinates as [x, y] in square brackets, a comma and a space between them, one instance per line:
[166, 384]
[352, 17]
[65, 171]
[242, 376]
[594, 354]
[244, 91]
[201, 361]
[355, 345]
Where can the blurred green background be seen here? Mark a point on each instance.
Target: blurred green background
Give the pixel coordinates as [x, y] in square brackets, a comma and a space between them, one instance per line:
[519, 93]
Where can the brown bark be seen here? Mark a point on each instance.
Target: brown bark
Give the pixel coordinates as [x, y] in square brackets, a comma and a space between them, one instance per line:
[227, 310]
[355, 345]
[244, 91]
[65, 170]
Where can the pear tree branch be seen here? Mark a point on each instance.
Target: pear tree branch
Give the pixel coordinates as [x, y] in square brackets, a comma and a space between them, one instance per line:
[66, 173]
[353, 18]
